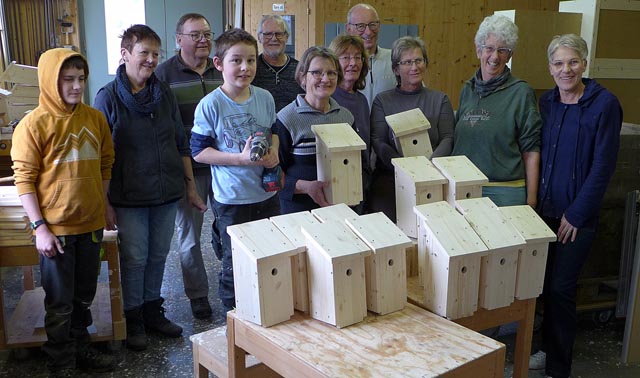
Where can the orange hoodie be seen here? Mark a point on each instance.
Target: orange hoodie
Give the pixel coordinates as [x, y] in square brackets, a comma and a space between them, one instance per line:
[63, 156]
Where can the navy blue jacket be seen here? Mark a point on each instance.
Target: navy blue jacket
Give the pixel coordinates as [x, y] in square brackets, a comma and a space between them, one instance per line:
[148, 168]
[578, 153]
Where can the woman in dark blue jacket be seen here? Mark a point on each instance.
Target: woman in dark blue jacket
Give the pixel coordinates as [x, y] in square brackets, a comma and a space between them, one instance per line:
[580, 140]
[151, 172]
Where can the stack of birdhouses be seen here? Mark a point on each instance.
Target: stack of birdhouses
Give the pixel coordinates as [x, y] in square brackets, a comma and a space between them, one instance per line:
[331, 262]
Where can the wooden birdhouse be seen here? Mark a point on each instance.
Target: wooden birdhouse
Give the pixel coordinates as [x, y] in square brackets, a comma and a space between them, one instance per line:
[335, 268]
[339, 162]
[385, 268]
[262, 272]
[532, 259]
[465, 179]
[337, 213]
[449, 254]
[411, 131]
[291, 226]
[418, 182]
[499, 266]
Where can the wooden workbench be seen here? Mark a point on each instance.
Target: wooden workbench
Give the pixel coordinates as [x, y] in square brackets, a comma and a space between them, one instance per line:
[25, 328]
[520, 311]
[408, 343]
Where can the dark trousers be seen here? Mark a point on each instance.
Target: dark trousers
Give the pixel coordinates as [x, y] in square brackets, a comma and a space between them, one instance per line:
[559, 325]
[228, 215]
[69, 281]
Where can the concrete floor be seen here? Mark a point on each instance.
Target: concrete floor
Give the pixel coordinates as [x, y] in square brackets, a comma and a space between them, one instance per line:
[596, 353]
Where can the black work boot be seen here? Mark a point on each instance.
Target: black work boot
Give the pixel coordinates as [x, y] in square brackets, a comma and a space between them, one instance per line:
[154, 319]
[136, 336]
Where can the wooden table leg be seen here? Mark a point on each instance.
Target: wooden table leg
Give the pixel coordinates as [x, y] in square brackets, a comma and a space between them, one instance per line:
[523, 341]
[237, 356]
[199, 371]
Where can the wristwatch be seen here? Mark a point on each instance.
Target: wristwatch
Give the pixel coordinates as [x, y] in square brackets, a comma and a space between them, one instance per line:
[37, 224]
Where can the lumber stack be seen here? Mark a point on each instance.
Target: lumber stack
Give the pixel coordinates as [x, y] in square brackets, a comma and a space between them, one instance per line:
[14, 223]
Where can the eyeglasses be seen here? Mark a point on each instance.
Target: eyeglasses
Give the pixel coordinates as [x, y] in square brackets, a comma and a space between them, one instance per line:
[373, 26]
[558, 65]
[331, 75]
[411, 62]
[196, 36]
[502, 51]
[347, 59]
[279, 35]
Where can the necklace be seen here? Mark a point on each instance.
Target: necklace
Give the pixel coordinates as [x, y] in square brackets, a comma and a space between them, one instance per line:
[272, 69]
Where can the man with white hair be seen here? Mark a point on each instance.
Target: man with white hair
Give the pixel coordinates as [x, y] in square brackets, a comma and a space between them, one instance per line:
[275, 70]
[363, 20]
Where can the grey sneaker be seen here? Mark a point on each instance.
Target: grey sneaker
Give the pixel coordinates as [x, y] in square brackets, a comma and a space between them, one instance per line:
[538, 361]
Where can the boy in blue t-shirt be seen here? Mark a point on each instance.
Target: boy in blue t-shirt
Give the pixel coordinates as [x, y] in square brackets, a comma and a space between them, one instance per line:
[225, 123]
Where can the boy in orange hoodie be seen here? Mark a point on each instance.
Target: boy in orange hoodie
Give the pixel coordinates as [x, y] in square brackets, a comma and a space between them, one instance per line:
[62, 156]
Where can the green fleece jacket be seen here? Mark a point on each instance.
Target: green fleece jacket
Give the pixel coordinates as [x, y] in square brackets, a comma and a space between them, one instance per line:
[493, 131]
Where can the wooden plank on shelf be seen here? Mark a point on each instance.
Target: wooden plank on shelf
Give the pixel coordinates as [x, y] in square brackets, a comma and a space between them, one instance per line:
[20, 73]
[615, 68]
[25, 328]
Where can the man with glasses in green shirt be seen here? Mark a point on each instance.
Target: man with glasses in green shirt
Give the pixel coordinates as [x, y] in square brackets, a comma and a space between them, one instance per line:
[275, 70]
[363, 21]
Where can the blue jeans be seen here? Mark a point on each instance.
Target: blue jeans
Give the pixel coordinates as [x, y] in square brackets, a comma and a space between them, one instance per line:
[228, 215]
[144, 235]
[69, 281]
[559, 324]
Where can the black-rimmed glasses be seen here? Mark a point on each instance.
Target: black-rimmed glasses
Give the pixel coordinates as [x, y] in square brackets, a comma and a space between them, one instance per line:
[279, 35]
[373, 26]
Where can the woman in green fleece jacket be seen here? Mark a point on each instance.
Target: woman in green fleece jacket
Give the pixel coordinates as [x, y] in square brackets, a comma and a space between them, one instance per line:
[498, 123]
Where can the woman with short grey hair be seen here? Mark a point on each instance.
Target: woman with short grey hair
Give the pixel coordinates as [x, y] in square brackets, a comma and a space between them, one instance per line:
[580, 142]
[569, 41]
[498, 123]
[409, 62]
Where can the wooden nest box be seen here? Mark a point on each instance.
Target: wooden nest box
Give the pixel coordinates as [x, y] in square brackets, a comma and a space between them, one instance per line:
[498, 271]
[385, 268]
[335, 267]
[411, 131]
[262, 272]
[291, 226]
[339, 162]
[418, 182]
[465, 179]
[449, 254]
[532, 260]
